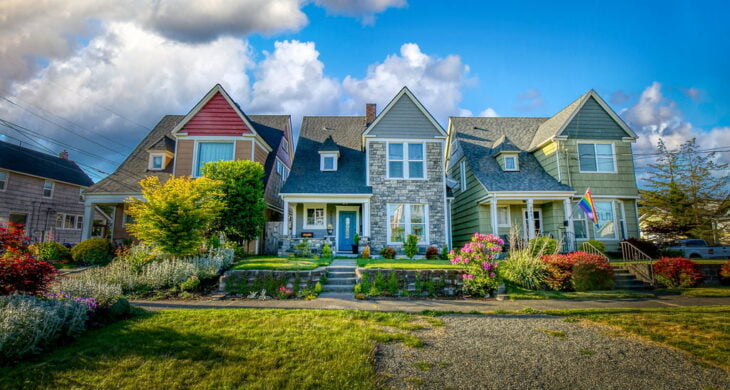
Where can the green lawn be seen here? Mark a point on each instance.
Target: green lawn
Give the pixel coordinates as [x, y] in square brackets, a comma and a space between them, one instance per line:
[281, 263]
[703, 331]
[236, 348]
[406, 264]
[516, 292]
[723, 291]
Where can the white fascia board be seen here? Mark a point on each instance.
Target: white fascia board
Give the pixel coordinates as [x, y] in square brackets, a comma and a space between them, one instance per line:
[117, 197]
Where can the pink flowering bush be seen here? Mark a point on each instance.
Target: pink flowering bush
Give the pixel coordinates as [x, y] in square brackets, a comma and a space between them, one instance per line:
[478, 259]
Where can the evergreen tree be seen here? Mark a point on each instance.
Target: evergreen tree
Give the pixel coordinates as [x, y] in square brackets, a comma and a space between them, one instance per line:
[686, 190]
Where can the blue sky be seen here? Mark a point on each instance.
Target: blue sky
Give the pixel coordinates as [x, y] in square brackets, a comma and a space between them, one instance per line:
[113, 69]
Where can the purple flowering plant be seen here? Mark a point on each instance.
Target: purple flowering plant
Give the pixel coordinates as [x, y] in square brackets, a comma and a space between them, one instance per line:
[90, 303]
[478, 257]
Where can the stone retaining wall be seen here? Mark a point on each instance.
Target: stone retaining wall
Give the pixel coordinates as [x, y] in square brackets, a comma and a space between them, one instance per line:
[710, 273]
[249, 277]
[447, 282]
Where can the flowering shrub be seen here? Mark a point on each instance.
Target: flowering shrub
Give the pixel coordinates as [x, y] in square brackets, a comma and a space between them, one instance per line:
[559, 270]
[591, 272]
[725, 273]
[13, 240]
[388, 253]
[432, 252]
[477, 257]
[676, 272]
[28, 323]
[24, 274]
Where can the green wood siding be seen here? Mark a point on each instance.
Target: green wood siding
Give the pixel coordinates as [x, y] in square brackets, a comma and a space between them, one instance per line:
[622, 183]
[593, 122]
[405, 120]
[547, 156]
[467, 216]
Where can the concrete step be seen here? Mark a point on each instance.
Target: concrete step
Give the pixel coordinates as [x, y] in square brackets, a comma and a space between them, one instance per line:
[341, 268]
[332, 273]
[633, 285]
[338, 287]
[340, 281]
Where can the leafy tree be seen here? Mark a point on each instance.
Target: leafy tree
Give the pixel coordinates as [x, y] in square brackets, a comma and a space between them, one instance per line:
[686, 191]
[243, 192]
[176, 215]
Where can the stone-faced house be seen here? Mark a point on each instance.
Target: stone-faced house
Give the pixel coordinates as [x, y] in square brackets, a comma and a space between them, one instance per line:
[215, 129]
[42, 192]
[529, 173]
[380, 177]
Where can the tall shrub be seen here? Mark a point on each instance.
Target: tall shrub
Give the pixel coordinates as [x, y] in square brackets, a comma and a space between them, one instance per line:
[591, 272]
[176, 215]
[477, 257]
[23, 274]
[410, 245]
[242, 191]
[93, 251]
[53, 252]
[676, 272]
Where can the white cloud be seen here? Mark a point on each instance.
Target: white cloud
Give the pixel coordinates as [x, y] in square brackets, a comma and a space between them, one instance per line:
[489, 112]
[656, 117]
[436, 81]
[365, 9]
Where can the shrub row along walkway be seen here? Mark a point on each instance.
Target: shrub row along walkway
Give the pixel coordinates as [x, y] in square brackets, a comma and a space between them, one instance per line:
[537, 352]
[345, 302]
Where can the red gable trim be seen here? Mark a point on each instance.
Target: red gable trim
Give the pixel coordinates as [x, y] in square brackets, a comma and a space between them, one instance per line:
[216, 118]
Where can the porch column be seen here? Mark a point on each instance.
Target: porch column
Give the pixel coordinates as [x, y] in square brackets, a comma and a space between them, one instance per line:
[366, 219]
[285, 225]
[493, 215]
[88, 220]
[569, 233]
[530, 220]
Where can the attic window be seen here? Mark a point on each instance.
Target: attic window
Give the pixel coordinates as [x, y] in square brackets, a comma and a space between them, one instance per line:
[328, 161]
[511, 163]
[157, 161]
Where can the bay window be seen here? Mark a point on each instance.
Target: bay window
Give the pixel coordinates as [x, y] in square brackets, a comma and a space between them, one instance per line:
[405, 161]
[211, 152]
[406, 219]
[596, 157]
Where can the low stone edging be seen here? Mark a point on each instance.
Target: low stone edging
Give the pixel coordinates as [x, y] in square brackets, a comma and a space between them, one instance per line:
[306, 278]
[447, 282]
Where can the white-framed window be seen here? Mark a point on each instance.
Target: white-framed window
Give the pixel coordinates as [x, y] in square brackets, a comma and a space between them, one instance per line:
[157, 162]
[211, 152]
[503, 217]
[315, 216]
[606, 229]
[406, 161]
[462, 175]
[621, 211]
[596, 157]
[69, 221]
[580, 229]
[81, 195]
[279, 168]
[48, 189]
[328, 161]
[3, 180]
[405, 219]
[511, 163]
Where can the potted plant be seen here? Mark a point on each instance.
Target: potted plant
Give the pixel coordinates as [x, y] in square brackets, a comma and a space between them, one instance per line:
[355, 243]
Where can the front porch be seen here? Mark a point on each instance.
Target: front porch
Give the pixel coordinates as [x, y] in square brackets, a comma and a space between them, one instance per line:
[336, 220]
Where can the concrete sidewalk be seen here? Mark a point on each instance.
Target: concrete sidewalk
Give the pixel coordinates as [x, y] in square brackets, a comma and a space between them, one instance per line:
[414, 306]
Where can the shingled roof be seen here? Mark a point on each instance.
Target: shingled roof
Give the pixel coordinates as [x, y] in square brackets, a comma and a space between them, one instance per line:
[125, 179]
[19, 159]
[480, 138]
[349, 178]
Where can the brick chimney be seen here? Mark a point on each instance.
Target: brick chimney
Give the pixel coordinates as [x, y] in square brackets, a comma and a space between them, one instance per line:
[63, 155]
[370, 113]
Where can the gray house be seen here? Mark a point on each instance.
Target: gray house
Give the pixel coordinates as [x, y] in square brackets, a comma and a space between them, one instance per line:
[380, 177]
[42, 192]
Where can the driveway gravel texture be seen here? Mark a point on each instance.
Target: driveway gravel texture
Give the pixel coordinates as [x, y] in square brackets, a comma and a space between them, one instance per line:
[538, 352]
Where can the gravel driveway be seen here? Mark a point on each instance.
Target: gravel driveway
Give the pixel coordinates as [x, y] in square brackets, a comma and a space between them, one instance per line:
[538, 352]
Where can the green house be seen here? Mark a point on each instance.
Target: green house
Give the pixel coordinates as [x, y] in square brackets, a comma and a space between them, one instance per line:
[527, 175]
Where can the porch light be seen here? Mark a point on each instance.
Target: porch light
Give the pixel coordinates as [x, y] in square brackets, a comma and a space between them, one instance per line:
[330, 230]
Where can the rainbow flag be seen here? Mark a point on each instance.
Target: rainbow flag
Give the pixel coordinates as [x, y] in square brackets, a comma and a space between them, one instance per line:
[588, 207]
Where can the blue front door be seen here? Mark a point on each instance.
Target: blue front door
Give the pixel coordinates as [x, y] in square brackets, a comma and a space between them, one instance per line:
[346, 229]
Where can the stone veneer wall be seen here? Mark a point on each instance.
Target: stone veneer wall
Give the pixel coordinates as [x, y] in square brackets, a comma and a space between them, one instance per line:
[448, 281]
[710, 273]
[306, 278]
[430, 191]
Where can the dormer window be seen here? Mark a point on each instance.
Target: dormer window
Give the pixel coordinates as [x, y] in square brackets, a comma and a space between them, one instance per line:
[158, 161]
[511, 163]
[328, 161]
[160, 154]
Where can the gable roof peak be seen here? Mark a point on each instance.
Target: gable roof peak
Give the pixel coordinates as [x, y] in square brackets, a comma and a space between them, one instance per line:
[404, 91]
